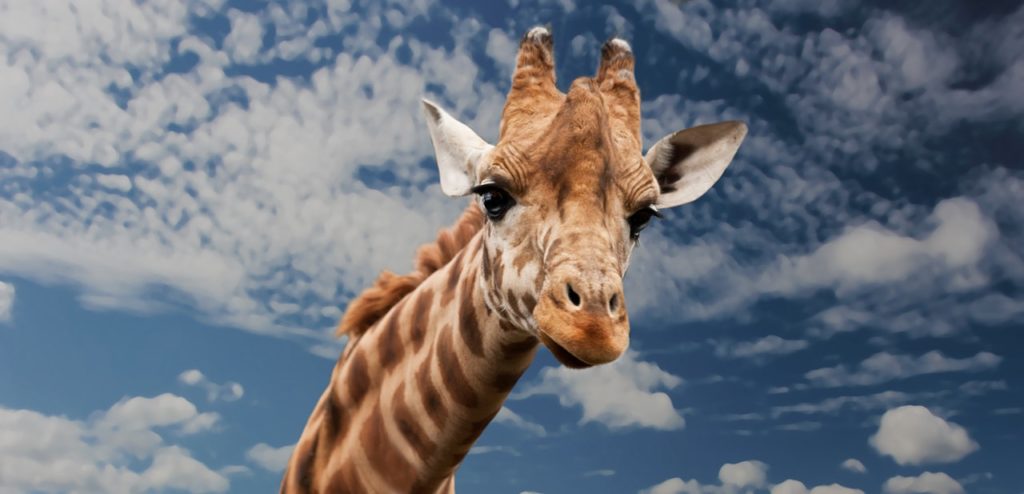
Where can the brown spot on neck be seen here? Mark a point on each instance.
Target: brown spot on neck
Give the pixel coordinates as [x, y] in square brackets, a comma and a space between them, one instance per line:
[433, 404]
[420, 318]
[382, 454]
[390, 347]
[453, 375]
[409, 427]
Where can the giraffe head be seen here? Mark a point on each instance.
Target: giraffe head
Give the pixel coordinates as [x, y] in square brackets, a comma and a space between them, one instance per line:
[567, 190]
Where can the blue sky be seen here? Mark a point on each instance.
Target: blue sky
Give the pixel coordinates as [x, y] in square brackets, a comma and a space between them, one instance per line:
[191, 192]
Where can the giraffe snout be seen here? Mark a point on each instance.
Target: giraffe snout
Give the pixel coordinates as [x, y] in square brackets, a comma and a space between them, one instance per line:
[603, 298]
[582, 317]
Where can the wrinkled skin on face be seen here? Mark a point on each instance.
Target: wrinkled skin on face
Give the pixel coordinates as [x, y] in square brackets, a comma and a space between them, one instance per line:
[566, 190]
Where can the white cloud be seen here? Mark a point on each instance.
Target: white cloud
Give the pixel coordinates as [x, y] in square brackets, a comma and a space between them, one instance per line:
[854, 465]
[229, 391]
[913, 435]
[513, 419]
[484, 449]
[751, 473]
[692, 31]
[270, 458]
[906, 272]
[883, 366]
[765, 346]
[895, 266]
[789, 486]
[835, 489]
[173, 468]
[926, 483]
[290, 159]
[796, 487]
[6, 301]
[734, 477]
[675, 485]
[871, 254]
[244, 41]
[583, 44]
[56, 454]
[140, 414]
[502, 49]
[746, 476]
[113, 181]
[604, 472]
[618, 395]
[615, 24]
[204, 169]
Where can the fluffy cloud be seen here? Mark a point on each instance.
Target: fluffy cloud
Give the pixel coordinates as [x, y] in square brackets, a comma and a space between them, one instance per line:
[211, 154]
[745, 476]
[751, 473]
[229, 391]
[675, 485]
[196, 157]
[789, 487]
[796, 487]
[871, 254]
[56, 454]
[244, 41]
[140, 414]
[926, 483]
[513, 419]
[502, 49]
[618, 395]
[883, 366]
[6, 301]
[733, 477]
[270, 458]
[173, 468]
[853, 465]
[906, 275]
[893, 266]
[913, 435]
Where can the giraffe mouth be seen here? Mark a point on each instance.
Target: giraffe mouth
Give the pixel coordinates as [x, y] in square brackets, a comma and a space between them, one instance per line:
[565, 357]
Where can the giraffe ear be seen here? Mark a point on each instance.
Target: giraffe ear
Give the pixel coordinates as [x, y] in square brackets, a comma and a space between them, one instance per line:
[687, 163]
[458, 150]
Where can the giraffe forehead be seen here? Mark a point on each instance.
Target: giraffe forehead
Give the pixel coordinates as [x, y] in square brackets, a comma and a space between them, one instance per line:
[571, 152]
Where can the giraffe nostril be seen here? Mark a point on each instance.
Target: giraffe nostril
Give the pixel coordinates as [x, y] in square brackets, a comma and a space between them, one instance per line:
[573, 296]
[613, 303]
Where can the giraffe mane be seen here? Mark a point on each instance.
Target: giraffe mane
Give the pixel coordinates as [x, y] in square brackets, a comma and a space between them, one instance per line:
[374, 303]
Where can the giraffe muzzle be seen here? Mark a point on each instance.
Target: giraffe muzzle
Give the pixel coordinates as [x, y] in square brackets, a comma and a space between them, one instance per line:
[582, 318]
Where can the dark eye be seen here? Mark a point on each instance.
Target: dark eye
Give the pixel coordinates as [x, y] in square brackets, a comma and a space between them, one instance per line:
[639, 220]
[496, 201]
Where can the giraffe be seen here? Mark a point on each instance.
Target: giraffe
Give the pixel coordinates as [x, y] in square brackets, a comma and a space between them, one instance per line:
[537, 258]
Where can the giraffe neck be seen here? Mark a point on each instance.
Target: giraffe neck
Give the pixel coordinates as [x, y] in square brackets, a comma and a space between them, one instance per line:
[407, 399]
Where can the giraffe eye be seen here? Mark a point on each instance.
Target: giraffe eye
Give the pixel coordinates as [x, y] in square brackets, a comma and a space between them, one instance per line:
[496, 201]
[639, 220]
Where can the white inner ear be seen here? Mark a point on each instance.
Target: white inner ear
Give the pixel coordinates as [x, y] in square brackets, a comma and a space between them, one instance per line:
[687, 163]
[458, 150]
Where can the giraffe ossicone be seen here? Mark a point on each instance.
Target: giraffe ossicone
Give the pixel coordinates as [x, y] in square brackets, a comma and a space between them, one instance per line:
[538, 257]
